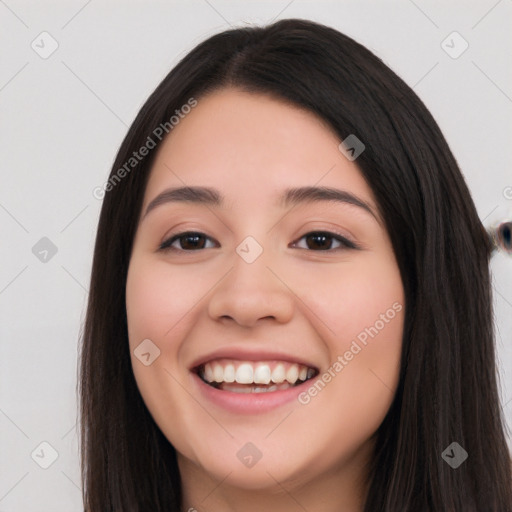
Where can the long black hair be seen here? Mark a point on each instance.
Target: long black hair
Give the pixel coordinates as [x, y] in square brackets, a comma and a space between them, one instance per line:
[447, 390]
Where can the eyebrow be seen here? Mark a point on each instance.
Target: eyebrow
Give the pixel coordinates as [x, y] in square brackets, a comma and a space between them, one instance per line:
[290, 197]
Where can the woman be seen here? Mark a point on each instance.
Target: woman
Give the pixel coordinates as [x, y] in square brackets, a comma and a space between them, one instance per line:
[290, 304]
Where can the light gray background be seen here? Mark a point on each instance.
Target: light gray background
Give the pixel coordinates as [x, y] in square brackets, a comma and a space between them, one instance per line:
[63, 118]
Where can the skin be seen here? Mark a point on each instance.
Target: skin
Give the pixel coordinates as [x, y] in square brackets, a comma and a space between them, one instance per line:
[294, 297]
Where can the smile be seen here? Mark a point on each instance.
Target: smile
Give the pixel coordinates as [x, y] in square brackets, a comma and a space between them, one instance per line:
[237, 376]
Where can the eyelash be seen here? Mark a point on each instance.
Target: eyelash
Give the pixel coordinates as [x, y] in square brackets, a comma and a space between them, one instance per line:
[166, 245]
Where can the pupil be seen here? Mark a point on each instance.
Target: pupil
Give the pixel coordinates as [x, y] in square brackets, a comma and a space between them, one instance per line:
[322, 237]
[194, 244]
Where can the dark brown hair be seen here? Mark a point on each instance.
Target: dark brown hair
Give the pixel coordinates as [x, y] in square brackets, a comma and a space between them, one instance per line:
[447, 390]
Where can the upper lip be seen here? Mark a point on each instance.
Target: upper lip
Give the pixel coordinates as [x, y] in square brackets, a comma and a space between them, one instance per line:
[244, 354]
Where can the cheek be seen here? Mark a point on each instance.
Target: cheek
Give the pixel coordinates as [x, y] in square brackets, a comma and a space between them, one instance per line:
[158, 298]
[370, 328]
[353, 297]
[363, 308]
[159, 306]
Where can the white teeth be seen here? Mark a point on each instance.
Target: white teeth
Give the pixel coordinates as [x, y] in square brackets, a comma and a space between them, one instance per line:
[262, 374]
[244, 374]
[278, 375]
[208, 372]
[218, 373]
[292, 374]
[229, 373]
[255, 373]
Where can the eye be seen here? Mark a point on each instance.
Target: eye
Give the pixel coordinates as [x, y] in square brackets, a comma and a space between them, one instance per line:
[189, 241]
[315, 240]
[323, 241]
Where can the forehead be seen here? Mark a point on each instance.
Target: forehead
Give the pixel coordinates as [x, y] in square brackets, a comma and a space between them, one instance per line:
[252, 145]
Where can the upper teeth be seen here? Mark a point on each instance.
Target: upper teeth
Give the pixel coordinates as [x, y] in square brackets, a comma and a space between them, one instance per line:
[248, 372]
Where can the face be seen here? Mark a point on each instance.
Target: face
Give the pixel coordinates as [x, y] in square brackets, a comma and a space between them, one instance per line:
[265, 326]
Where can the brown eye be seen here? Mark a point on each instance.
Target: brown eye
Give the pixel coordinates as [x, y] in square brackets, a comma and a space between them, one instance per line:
[188, 241]
[315, 241]
[323, 241]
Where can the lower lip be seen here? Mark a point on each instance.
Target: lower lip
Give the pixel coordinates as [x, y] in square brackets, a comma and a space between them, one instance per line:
[248, 403]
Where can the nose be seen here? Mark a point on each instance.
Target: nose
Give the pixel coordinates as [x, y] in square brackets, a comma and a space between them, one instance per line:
[251, 292]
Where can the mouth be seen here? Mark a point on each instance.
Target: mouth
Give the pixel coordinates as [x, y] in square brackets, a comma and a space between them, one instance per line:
[238, 376]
